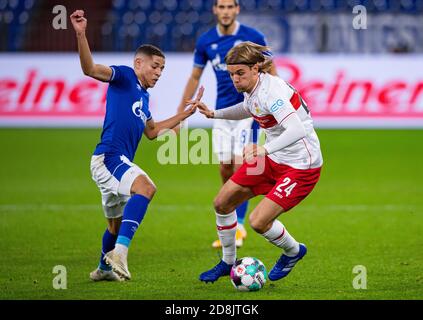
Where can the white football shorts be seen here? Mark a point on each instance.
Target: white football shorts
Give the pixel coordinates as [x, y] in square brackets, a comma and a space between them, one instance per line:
[229, 137]
[114, 177]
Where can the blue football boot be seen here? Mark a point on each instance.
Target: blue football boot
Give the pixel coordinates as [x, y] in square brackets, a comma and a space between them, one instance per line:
[220, 270]
[285, 264]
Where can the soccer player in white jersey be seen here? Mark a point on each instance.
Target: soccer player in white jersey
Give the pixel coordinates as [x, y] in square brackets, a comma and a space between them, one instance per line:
[285, 169]
[229, 137]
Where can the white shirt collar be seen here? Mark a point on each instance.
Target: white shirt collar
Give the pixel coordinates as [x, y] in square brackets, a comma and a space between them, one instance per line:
[237, 25]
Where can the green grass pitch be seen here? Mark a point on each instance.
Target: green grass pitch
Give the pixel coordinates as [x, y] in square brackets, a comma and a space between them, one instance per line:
[366, 210]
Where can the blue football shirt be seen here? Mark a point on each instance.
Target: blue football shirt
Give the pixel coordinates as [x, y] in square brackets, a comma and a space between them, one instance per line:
[126, 115]
[213, 46]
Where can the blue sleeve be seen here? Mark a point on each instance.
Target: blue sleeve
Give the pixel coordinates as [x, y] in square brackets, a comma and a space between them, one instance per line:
[200, 56]
[260, 39]
[148, 114]
[145, 108]
[119, 75]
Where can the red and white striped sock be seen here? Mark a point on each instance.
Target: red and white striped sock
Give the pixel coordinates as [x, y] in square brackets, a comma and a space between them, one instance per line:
[280, 237]
[226, 230]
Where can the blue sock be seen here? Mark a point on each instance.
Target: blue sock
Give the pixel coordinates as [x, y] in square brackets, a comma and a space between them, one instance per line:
[108, 245]
[132, 216]
[241, 211]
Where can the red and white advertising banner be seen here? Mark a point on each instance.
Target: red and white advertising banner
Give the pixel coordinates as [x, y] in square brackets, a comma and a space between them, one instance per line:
[351, 91]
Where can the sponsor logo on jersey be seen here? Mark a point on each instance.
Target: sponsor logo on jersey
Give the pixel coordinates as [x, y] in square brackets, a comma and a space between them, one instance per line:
[137, 110]
[218, 65]
[276, 106]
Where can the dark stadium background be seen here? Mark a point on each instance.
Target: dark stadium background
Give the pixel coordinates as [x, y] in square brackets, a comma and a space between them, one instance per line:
[367, 210]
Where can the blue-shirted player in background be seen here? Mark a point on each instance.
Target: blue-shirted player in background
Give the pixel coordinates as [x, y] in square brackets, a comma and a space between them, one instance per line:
[125, 188]
[229, 136]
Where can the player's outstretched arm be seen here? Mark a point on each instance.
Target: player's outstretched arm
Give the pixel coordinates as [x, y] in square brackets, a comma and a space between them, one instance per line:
[236, 112]
[154, 129]
[96, 71]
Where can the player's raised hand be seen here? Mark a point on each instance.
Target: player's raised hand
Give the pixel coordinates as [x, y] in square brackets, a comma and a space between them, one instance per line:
[199, 94]
[79, 23]
[190, 110]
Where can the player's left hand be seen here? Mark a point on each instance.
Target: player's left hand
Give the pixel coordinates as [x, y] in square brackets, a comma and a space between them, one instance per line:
[252, 150]
[79, 22]
[190, 110]
[191, 106]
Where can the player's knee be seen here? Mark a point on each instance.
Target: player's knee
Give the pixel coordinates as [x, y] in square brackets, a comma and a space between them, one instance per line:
[148, 191]
[221, 205]
[145, 189]
[258, 224]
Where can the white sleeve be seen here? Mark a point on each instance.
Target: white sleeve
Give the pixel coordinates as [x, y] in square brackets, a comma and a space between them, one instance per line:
[279, 106]
[236, 112]
[278, 102]
[294, 131]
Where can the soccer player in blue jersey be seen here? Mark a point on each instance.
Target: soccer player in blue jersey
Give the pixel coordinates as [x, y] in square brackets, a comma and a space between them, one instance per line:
[126, 190]
[229, 136]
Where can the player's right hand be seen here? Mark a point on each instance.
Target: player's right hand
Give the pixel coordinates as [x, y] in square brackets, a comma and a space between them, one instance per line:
[204, 109]
[200, 105]
[79, 23]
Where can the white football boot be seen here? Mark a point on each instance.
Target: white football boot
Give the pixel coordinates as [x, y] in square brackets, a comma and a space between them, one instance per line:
[119, 263]
[103, 275]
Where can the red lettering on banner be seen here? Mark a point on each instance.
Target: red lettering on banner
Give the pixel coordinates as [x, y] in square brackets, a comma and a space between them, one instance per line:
[417, 91]
[387, 95]
[59, 87]
[366, 85]
[27, 86]
[344, 96]
[335, 88]
[38, 95]
[340, 92]
[310, 91]
[294, 72]
[82, 92]
[6, 86]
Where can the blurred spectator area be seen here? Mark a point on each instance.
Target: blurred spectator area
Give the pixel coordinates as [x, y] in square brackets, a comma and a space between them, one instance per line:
[291, 26]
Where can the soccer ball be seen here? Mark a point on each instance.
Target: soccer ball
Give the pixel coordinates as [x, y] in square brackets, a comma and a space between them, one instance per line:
[248, 274]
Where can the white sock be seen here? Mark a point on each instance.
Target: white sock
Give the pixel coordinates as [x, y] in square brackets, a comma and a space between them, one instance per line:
[226, 230]
[280, 237]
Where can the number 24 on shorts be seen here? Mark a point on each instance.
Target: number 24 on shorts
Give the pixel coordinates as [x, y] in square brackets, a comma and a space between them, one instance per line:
[288, 189]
